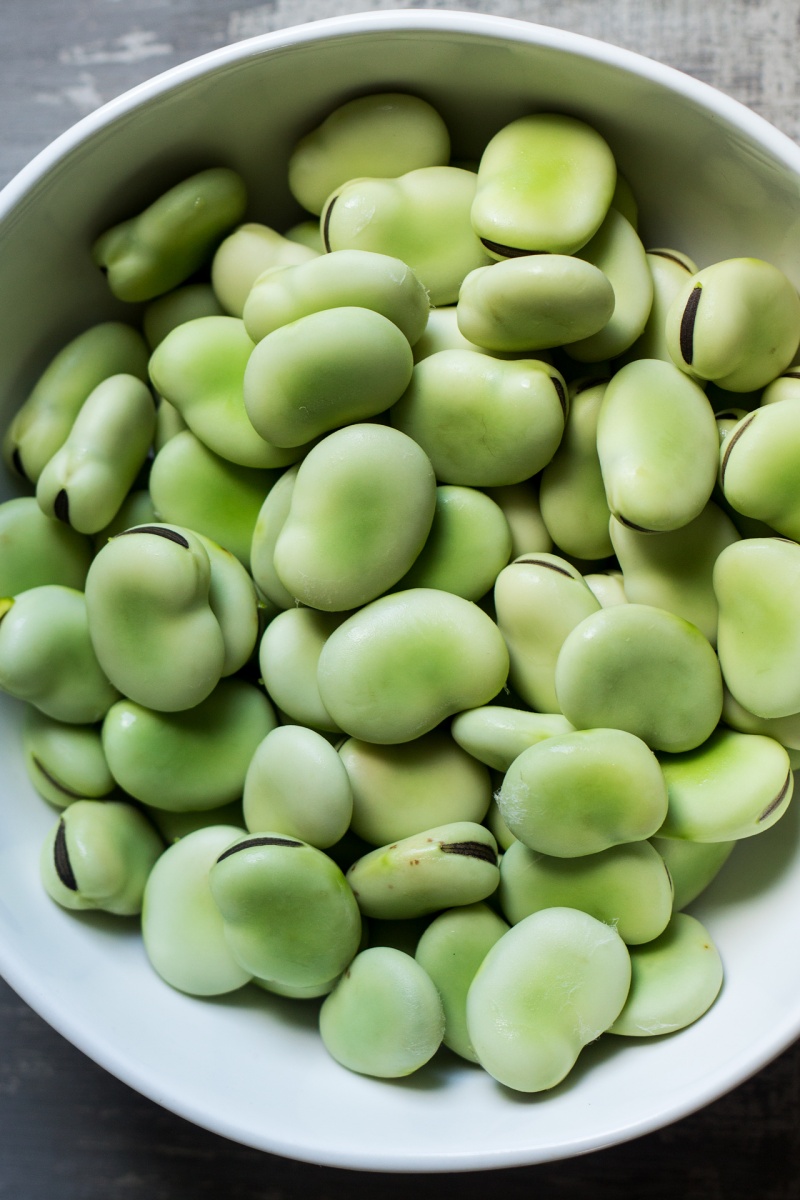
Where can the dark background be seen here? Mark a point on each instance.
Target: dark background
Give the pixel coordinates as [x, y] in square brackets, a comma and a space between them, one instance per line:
[67, 1128]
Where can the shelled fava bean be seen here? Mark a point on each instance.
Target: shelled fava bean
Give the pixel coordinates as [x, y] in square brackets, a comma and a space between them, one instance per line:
[399, 623]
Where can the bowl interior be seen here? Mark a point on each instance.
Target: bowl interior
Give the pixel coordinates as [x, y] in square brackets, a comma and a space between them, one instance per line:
[712, 180]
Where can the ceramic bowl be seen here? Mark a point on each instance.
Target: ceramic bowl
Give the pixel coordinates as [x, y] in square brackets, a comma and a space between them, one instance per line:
[713, 180]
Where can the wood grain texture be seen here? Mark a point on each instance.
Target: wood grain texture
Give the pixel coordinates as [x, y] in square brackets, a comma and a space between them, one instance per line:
[69, 1129]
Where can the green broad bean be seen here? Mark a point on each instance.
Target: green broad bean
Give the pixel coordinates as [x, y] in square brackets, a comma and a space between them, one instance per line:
[421, 217]
[442, 333]
[539, 599]
[191, 760]
[481, 421]
[41, 426]
[545, 183]
[658, 446]
[523, 1032]
[158, 249]
[47, 655]
[269, 522]
[626, 668]
[186, 303]
[579, 793]
[288, 658]
[152, 625]
[169, 423]
[87, 479]
[360, 511]
[616, 251]
[607, 587]
[727, 420]
[297, 992]
[182, 928]
[322, 371]
[497, 827]
[534, 303]
[758, 643]
[758, 466]
[244, 256]
[627, 886]
[341, 279]
[442, 867]
[674, 980]
[306, 233]
[99, 855]
[692, 865]
[398, 790]
[199, 368]
[733, 786]
[37, 550]
[785, 387]
[736, 322]
[313, 929]
[785, 730]
[674, 570]
[191, 485]
[296, 785]
[401, 665]
[64, 762]
[496, 735]
[384, 1018]
[625, 202]
[450, 950]
[519, 503]
[382, 136]
[468, 545]
[233, 601]
[669, 270]
[572, 494]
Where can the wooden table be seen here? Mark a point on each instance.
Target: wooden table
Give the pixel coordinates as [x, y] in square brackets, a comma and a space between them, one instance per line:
[67, 1128]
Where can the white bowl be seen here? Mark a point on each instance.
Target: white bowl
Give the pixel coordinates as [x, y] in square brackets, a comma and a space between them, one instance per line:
[713, 180]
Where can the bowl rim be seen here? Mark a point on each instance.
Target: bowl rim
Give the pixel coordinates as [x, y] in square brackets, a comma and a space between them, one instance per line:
[402, 20]
[21, 977]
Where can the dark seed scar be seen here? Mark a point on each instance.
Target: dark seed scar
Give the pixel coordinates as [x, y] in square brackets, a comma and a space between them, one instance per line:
[61, 506]
[51, 779]
[160, 531]
[562, 395]
[537, 562]
[731, 442]
[777, 801]
[257, 841]
[687, 324]
[672, 257]
[507, 251]
[471, 850]
[61, 858]
[16, 459]
[326, 224]
[638, 528]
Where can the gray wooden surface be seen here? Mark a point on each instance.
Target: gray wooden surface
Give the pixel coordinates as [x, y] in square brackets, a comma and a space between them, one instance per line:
[67, 1128]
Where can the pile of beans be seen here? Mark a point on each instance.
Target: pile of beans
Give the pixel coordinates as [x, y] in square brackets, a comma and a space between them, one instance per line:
[405, 604]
